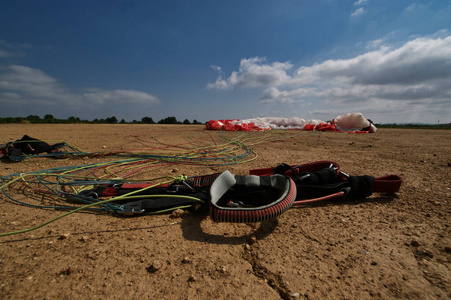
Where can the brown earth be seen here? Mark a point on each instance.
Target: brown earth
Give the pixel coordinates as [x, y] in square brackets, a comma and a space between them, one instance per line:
[384, 247]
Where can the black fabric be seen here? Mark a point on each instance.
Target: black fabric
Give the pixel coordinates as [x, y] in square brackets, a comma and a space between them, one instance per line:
[316, 191]
[240, 180]
[249, 197]
[15, 154]
[162, 203]
[326, 182]
[156, 204]
[322, 177]
[360, 186]
[282, 168]
[29, 145]
[265, 181]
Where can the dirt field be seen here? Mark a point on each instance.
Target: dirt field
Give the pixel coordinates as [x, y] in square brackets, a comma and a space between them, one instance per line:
[384, 247]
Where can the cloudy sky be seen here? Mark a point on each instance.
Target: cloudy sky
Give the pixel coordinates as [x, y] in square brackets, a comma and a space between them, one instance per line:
[314, 59]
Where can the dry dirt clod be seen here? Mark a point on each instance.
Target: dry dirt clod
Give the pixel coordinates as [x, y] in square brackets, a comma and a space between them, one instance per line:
[186, 260]
[414, 243]
[178, 213]
[427, 252]
[67, 271]
[156, 265]
[64, 236]
[221, 269]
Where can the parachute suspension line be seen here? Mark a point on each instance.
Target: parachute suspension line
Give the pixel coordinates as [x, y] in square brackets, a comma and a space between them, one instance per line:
[122, 197]
[59, 185]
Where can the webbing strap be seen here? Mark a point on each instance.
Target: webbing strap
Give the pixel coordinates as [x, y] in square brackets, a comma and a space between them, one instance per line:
[162, 203]
[197, 182]
[384, 184]
[387, 184]
[356, 187]
[293, 171]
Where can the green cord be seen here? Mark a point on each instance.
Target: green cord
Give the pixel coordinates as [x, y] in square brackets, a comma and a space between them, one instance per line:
[125, 196]
[231, 150]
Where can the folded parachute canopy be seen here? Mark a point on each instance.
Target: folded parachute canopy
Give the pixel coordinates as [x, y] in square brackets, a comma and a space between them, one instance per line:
[351, 122]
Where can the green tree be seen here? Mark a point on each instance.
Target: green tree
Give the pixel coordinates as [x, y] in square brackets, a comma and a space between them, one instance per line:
[33, 118]
[147, 120]
[168, 120]
[111, 120]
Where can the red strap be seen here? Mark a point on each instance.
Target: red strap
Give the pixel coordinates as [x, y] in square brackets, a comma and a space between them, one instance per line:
[387, 184]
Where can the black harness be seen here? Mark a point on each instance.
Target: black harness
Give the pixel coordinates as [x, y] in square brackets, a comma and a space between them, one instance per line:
[264, 194]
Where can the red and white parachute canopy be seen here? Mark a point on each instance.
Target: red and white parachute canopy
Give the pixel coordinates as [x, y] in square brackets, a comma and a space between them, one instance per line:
[351, 122]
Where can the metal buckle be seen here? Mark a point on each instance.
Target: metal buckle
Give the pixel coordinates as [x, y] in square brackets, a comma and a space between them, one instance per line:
[132, 208]
[90, 194]
[174, 188]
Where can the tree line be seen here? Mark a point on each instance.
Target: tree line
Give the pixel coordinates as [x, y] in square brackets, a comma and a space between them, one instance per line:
[49, 119]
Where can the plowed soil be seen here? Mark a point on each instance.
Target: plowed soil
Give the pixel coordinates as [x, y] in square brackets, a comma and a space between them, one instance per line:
[382, 247]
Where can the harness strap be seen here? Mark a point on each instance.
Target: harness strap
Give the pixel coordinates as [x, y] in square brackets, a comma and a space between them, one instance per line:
[238, 199]
[383, 184]
[181, 193]
[163, 202]
[387, 184]
[252, 198]
[196, 182]
[294, 171]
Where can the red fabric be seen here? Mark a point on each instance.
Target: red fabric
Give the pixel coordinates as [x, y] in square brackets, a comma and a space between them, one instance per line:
[227, 125]
[309, 127]
[326, 127]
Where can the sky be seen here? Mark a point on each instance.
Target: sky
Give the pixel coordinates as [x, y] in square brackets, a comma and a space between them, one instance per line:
[234, 59]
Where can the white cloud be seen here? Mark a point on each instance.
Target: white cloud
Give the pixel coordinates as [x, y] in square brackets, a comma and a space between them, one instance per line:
[216, 68]
[418, 61]
[100, 96]
[413, 77]
[253, 72]
[25, 85]
[219, 84]
[375, 44]
[360, 2]
[358, 12]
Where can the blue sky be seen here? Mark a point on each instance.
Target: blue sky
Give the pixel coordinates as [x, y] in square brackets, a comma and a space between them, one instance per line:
[317, 59]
